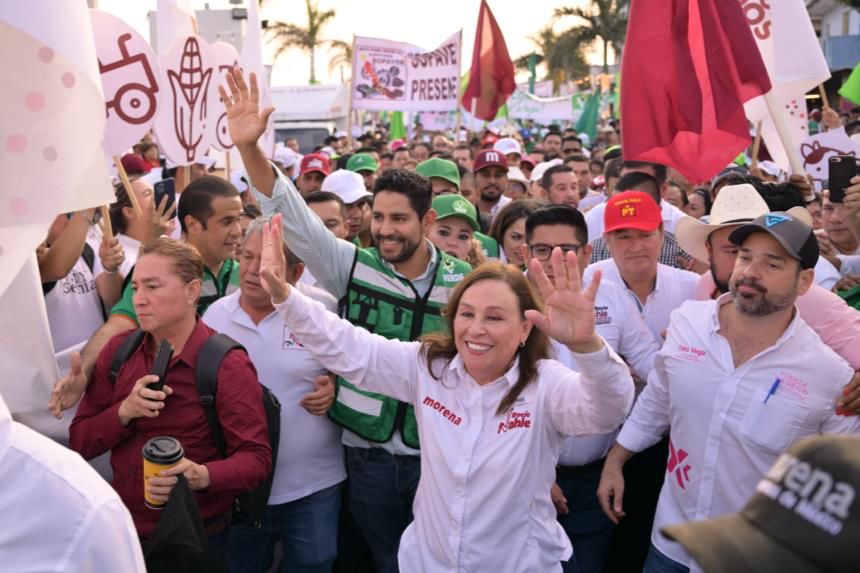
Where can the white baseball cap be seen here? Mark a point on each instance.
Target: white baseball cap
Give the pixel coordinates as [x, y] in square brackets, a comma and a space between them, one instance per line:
[239, 179]
[347, 185]
[286, 157]
[508, 145]
[540, 168]
[516, 174]
[340, 134]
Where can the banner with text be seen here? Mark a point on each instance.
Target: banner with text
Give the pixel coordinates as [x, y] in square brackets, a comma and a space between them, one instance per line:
[396, 76]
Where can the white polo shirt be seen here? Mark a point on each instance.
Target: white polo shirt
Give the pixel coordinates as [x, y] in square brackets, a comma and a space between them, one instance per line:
[673, 287]
[619, 323]
[485, 478]
[725, 432]
[594, 219]
[310, 457]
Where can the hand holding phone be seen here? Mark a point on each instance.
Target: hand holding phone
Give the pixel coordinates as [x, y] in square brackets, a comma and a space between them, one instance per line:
[160, 364]
[165, 188]
[842, 169]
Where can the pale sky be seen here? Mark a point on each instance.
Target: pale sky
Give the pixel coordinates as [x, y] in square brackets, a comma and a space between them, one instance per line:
[422, 23]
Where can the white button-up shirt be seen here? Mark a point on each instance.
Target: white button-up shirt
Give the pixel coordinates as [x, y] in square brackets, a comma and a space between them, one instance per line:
[622, 328]
[728, 425]
[58, 513]
[483, 500]
[673, 287]
[309, 456]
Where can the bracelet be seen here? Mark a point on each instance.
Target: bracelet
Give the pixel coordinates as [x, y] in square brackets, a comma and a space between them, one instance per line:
[89, 221]
[107, 272]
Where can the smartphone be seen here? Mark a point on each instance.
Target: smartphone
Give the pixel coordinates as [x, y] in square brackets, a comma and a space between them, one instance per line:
[842, 169]
[165, 187]
[160, 364]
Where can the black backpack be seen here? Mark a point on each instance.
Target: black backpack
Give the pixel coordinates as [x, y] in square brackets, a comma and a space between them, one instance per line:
[250, 506]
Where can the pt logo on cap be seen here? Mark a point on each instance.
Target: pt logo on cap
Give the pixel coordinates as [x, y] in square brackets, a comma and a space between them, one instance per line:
[775, 219]
[628, 211]
[460, 207]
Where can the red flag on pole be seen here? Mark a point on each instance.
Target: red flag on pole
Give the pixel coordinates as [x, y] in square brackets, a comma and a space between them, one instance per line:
[491, 78]
[688, 67]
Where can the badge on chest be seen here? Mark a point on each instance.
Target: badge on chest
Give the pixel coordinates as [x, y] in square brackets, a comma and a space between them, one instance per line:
[289, 341]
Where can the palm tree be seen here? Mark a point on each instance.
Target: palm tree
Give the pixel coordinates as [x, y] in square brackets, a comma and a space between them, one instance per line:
[561, 65]
[604, 19]
[308, 38]
[342, 56]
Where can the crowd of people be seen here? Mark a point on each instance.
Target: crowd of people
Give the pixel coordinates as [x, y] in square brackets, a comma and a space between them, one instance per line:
[507, 352]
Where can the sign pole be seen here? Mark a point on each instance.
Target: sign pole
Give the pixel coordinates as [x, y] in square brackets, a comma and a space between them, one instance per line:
[349, 141]
[123, 176]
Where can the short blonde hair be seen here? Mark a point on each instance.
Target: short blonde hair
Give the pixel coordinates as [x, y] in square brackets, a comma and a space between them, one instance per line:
[185, 258]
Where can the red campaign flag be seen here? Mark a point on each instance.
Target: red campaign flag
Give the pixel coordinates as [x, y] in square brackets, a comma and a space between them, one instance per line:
[688, 67]
[491, 78]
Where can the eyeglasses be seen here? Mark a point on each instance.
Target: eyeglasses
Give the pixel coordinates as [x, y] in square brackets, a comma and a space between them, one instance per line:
[542, 252]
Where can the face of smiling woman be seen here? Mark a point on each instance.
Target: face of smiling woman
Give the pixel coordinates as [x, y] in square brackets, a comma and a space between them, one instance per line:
[488, 328]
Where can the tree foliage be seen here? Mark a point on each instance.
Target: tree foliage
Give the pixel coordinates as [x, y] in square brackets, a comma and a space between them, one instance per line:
[602, 19]
[306, 38]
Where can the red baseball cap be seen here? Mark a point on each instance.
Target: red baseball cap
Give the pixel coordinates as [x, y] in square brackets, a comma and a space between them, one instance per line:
[315, 162]
[489, 158]
[632, 210]
[134, 164]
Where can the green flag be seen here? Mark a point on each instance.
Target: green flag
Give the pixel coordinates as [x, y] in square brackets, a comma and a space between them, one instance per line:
[398, 130]
[587, 122]
[851, 88]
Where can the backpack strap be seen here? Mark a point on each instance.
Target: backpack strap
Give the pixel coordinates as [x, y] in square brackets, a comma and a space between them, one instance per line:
[125, 350]
[206, 373]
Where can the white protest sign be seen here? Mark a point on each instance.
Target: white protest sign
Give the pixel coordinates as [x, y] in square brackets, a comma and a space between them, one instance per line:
[181, 127]
[130, 79]
[225, 57]
[395, 76]
[818, 149]
[523, 105]
[791, 52]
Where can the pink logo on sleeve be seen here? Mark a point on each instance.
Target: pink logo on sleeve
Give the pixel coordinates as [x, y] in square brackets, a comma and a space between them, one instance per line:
[677, 466]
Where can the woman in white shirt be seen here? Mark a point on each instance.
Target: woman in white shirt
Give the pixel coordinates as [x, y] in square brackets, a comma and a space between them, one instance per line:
[492, 408]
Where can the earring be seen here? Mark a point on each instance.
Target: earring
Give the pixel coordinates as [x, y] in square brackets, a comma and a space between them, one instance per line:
[523, 344]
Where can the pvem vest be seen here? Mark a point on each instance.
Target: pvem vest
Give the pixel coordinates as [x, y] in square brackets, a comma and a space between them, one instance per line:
[378, 300]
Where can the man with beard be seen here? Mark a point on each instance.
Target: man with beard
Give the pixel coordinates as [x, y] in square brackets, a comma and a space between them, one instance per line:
[737, 381]
[491, 179]
[836, 323]
[397, 289]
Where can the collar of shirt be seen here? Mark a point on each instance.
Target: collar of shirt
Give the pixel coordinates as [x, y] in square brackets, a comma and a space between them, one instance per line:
[510, 377]
[431, 266]
[188, 356]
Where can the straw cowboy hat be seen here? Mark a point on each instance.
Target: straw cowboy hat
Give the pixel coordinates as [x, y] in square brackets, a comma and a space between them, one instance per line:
[735, 205]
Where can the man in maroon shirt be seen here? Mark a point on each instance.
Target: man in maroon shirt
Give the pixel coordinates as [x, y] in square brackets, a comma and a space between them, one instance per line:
[121, 416]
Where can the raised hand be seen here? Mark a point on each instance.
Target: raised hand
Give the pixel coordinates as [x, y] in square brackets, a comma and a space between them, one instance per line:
[273, 262]
[111, 254]
[569, 313]
[245, 120]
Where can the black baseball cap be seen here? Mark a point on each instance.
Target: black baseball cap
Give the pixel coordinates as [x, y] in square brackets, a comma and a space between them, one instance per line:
[793, 234]
[804, 516]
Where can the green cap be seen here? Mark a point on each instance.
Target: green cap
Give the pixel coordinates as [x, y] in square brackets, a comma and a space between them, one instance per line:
[362, 162]
[456, 206]
[442, 168]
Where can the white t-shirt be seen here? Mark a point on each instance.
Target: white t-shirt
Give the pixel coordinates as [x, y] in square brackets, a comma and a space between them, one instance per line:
[73, 305]
[310, 457]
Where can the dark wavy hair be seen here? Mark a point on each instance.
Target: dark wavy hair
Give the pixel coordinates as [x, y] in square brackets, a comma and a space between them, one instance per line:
[416, 188]
[441, 346]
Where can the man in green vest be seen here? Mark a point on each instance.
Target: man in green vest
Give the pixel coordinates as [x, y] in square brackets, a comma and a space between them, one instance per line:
[397, 290]
[209, 211]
